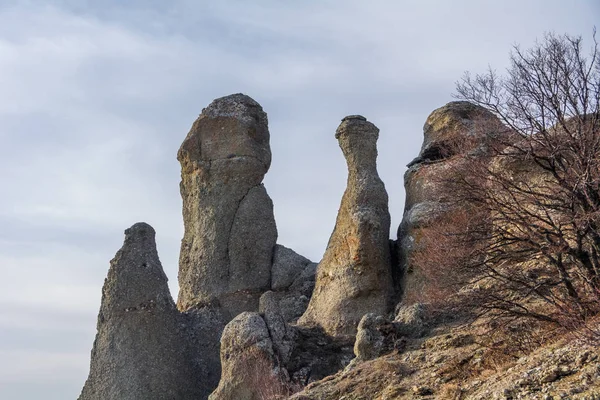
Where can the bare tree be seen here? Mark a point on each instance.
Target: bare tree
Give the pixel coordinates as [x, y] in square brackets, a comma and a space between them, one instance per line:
[531, 250]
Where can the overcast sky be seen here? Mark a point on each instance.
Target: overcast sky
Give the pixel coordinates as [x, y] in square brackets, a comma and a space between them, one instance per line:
[96, 97]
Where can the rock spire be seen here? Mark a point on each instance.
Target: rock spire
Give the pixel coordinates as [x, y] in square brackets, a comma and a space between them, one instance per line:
[141, 351]
[230, 230]
[354, 277]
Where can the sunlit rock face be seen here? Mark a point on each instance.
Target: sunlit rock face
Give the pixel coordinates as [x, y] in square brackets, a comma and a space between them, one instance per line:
[354, 277]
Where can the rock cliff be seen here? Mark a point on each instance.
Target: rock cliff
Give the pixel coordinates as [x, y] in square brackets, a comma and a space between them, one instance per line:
[255, 320]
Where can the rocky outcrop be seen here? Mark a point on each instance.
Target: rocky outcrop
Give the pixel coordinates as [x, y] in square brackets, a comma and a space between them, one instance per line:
[250, 368]
[377, 335]
[143, 348]
[354, 277]
[458, 128]
[411, 320]
[230, 230]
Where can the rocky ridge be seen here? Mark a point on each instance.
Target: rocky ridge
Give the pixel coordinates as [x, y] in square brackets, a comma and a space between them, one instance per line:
[254, 320]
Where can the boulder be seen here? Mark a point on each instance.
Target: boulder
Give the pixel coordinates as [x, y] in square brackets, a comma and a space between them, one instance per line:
[410, 320]
[287, 266]
[376, 336]
[143, 348]
[282, 335]
[250, 369]
[230, 231]
[369, 339]
[355, 275]
[292, 282]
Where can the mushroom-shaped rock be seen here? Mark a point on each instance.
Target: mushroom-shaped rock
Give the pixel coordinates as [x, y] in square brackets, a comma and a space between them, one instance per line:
[355, 277]
[230, 230]
[141, 349]
[249, 370]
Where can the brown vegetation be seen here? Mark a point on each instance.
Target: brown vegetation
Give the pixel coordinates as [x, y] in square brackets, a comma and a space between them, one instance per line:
[526, 244]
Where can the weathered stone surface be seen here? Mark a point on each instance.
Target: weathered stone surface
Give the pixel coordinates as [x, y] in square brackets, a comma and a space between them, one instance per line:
[143, 348]
[205, 327]
[293, 281]
[410, 320]
[249, 367]
[287, 266]
[291, 305]
[230, 230]
[458, 128]
[355, 275]
[369, 339]
[316, 355]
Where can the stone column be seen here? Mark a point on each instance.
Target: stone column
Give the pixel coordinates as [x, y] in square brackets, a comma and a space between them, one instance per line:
[354, 277]
[230, 231]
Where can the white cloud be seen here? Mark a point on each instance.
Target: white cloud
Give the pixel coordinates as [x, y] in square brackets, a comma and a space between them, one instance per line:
[96, 99]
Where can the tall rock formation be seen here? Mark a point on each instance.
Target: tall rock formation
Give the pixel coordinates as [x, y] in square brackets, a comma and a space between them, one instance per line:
[459, 128]
[230, 230]
[142, 349]
[355, 277]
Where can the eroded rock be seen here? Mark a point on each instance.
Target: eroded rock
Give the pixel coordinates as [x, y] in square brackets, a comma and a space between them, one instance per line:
[282, 335]
[287, 266]
[458, 128]
[249, 365]
[411, 320]
[230, 230]
[142, 348]
[370, 340]
[354, 277]
[293, 281]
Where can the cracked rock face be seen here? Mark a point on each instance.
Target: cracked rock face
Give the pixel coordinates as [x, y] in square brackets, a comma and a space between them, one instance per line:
[355, 277]
[141, 349]
[230, 229]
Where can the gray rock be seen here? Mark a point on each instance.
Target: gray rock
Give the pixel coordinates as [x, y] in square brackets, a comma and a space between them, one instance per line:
[282, 334]
[410, 320]
[354, 277]
[230, 230]
[142, 348]
[294, 276]
[305, 282]
[287, 266]
[249, 369]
